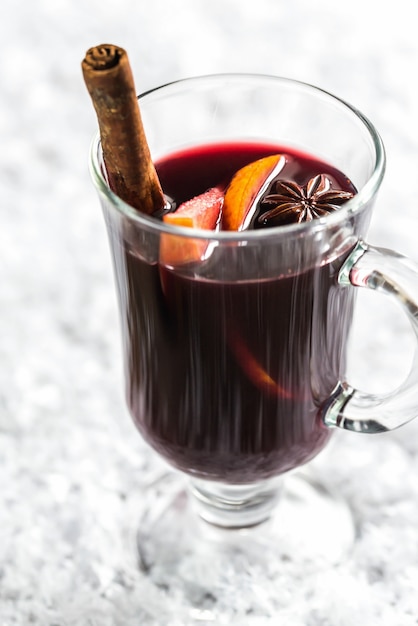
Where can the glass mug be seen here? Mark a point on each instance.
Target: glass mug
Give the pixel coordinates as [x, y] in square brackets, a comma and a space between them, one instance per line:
[194, 335]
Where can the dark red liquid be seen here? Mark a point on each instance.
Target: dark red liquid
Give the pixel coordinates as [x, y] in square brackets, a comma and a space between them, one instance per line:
[225, 377]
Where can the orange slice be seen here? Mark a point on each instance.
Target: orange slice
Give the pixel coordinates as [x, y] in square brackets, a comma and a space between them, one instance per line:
[246, 187]
[254, 371]
[203, 211]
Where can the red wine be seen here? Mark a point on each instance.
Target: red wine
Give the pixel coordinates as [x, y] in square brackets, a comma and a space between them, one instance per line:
[224, 376]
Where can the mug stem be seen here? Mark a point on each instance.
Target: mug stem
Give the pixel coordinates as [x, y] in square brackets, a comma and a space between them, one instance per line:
[235, 506]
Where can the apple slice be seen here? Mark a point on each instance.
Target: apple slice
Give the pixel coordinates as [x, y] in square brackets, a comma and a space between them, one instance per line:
[203, 212]
[253, 369]
[246, 187]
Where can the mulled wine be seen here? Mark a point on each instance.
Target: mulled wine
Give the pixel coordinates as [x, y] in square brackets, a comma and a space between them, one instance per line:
[226, 369]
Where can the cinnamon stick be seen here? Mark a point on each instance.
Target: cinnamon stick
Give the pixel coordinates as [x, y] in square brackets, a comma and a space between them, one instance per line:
[131, 172]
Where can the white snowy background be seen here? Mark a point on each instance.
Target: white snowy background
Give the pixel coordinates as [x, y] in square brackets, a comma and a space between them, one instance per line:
[71, 464]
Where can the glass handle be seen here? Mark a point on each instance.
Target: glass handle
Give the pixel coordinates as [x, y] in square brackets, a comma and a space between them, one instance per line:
[349, 408]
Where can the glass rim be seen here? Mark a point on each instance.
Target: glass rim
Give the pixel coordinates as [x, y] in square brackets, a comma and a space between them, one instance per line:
[350, 208]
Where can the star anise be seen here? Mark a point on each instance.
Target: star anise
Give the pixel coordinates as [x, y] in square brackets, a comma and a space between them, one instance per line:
[287, 202]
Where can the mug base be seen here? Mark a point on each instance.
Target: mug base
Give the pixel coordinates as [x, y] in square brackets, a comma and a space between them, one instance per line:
[207, 569]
